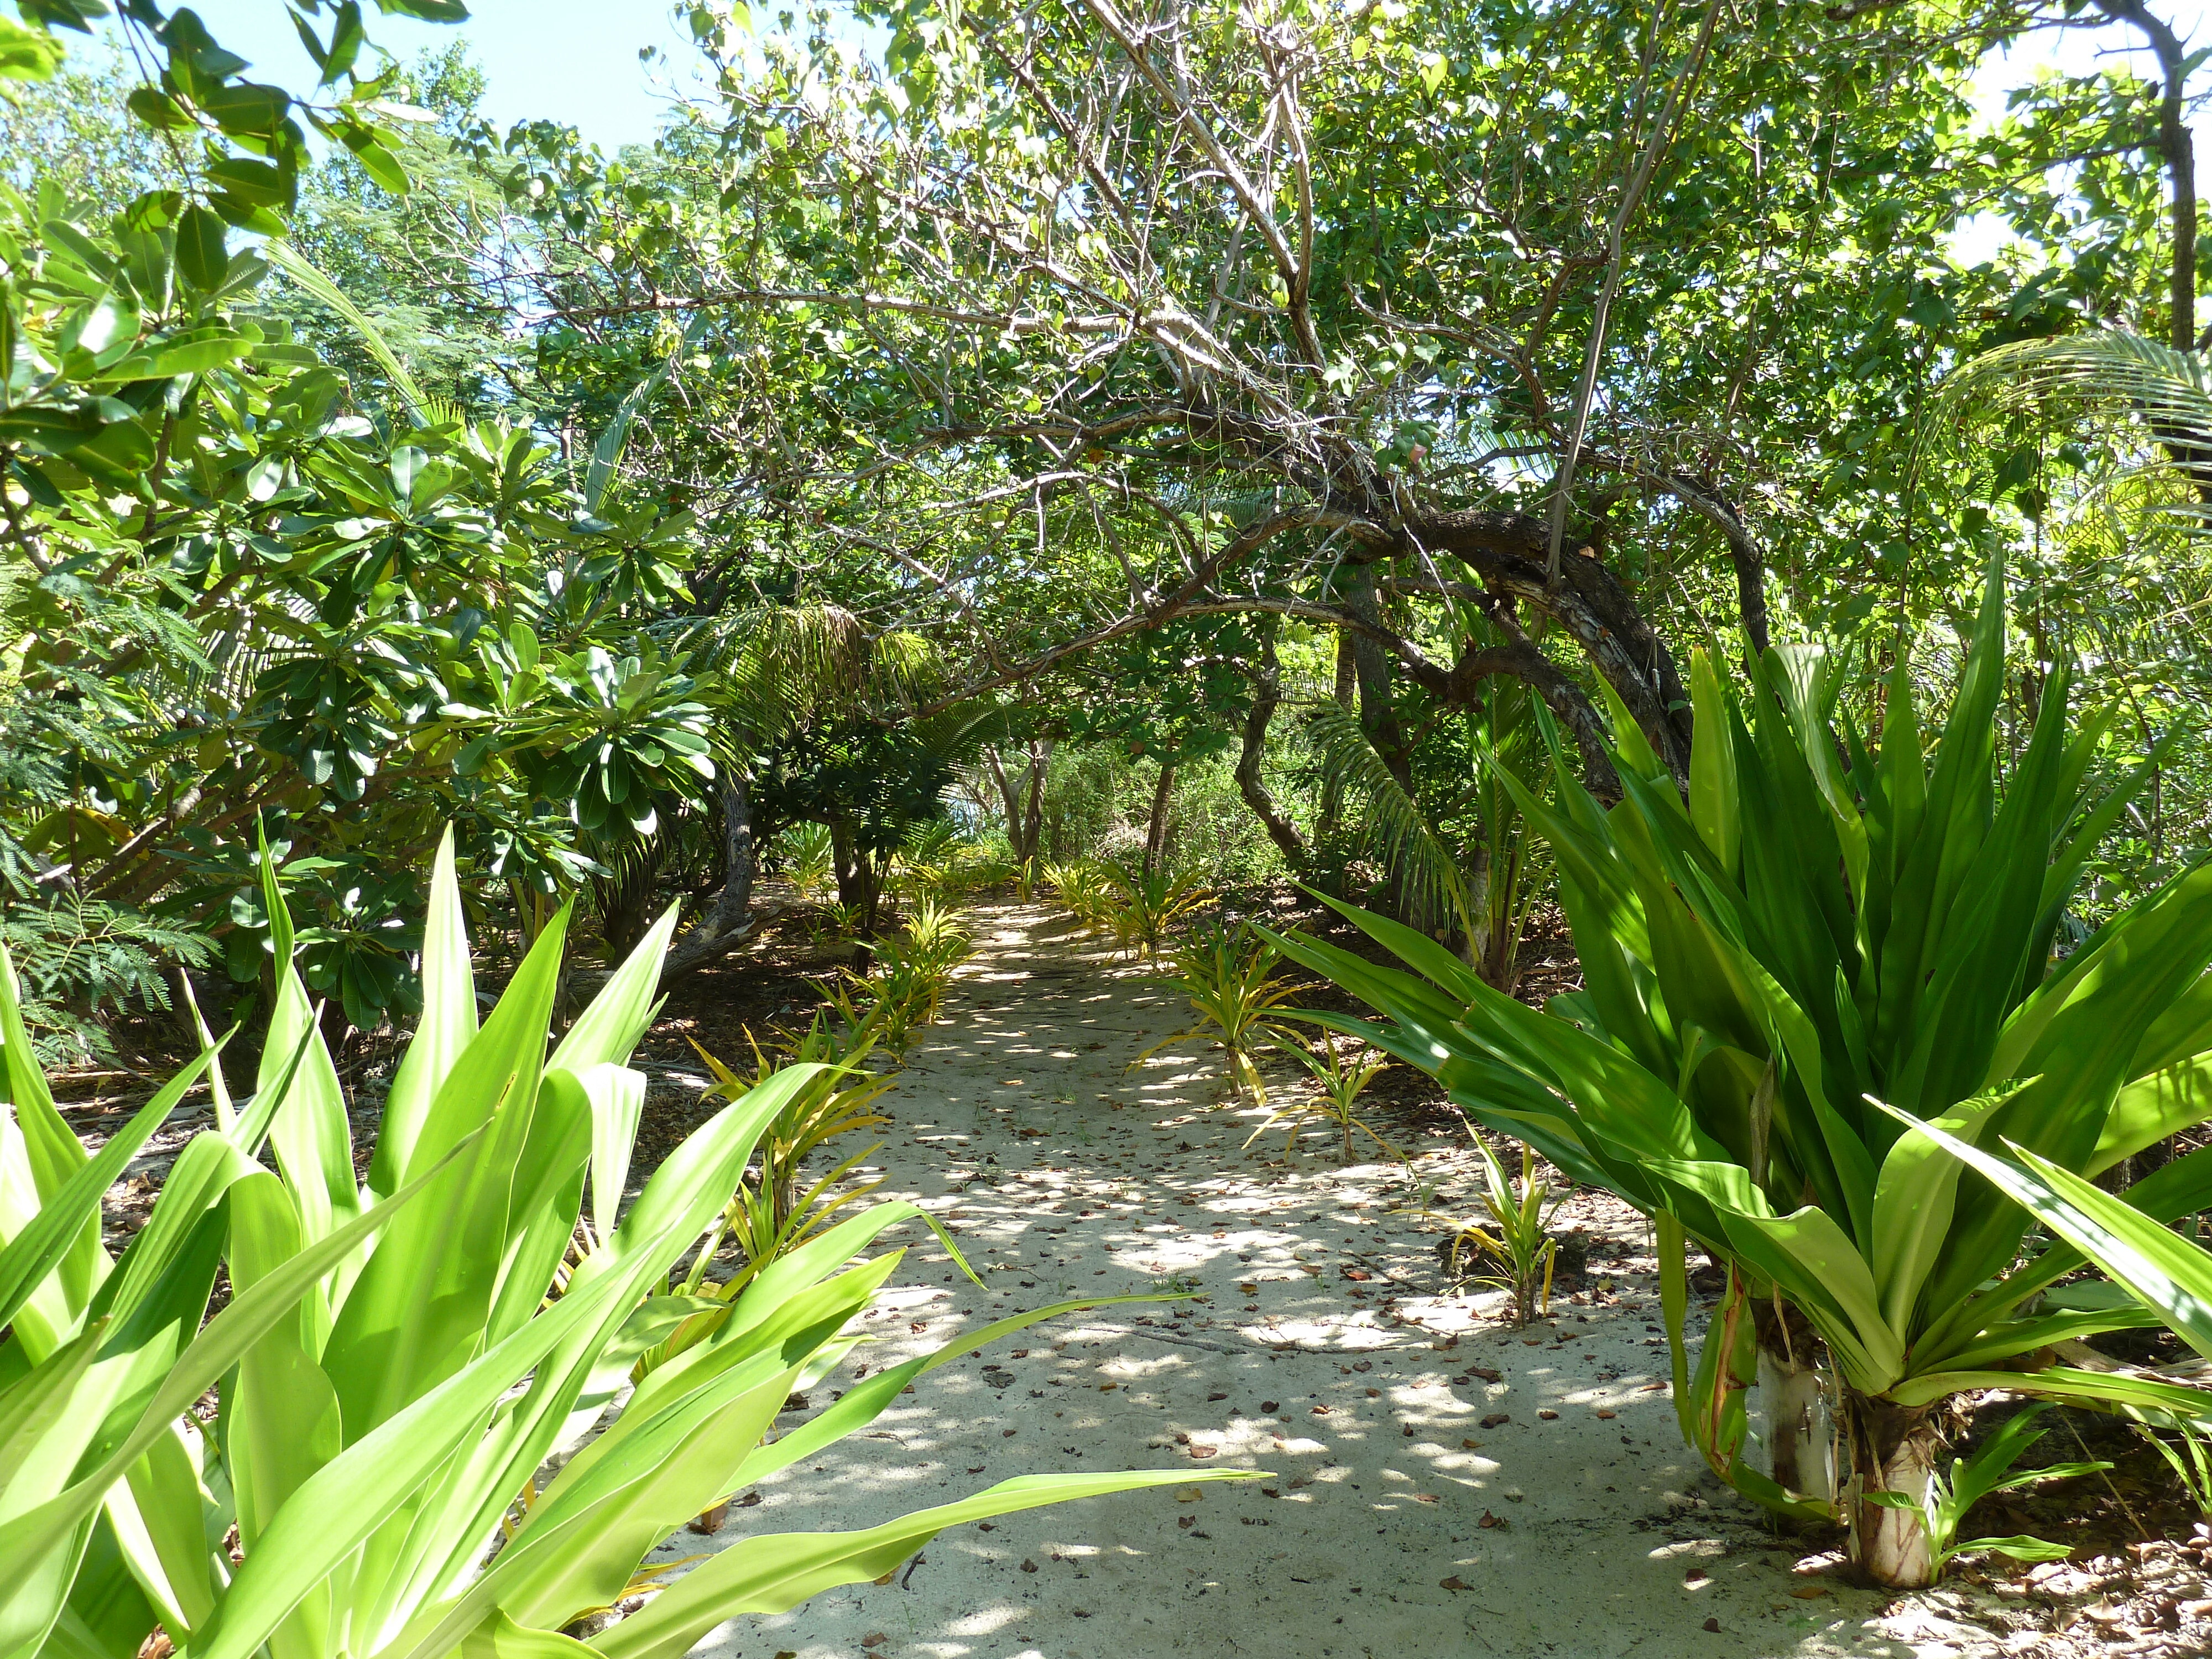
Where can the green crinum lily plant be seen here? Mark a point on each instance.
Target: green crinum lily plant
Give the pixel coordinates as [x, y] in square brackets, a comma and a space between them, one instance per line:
[352, 1457]
[1791, 964]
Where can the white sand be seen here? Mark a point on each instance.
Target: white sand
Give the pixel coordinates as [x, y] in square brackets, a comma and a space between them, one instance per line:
[1063, 1176]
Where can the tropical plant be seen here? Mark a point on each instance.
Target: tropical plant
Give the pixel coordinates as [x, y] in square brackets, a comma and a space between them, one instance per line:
[836, 1101]
[1149, 903]
[1084, 888]
[1942, 1507]
[1227, 973]
[1817, 927]
[2189, 1455]
[401, 1356]
[807, 857]
[1339, 1083]
[1517, 1244]
[916, 968]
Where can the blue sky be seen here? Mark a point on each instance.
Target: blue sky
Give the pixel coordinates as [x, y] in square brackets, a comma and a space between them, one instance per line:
[573, 61]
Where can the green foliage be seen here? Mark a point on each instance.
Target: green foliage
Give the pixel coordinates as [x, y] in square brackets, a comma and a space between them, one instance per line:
[1944, 1505]
[1819, 925]
[1516, 1244]
[1339, 1083]
[805, 852]
[400, 1357]
[1148, 902]
[1227, 973]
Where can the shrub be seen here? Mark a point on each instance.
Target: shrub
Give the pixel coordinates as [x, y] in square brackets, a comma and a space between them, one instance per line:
[401, 1357]
[1813, 982]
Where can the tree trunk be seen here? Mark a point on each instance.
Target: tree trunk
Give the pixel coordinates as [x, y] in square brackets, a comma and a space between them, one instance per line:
[1156, 832]
[1894, 1449]
[1372, 668]
[1795, 1427]
[1328, 821]
[1021, 797]
[1267, 697]
[1009, 801]
[733, 920]
[1033, 811]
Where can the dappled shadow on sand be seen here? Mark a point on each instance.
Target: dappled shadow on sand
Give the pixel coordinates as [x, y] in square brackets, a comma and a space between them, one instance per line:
[1437, 1483]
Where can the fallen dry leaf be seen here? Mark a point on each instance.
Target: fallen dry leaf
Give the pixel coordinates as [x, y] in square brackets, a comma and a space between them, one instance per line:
[1495, 1419]
[1454, 1583]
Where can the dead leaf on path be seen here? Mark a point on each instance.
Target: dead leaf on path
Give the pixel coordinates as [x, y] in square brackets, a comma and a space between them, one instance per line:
[1190, 1494]
[1206, 1451]
[1321, 1411]
[1606, 1413]
[1454, 1583]
[1548, 1415]
[1425, 1498]
[1010, 1083]
[1660, 1387]
[874, 1638]
[1495, 1419]
[1029, 1567]
[1809, 1592]
[1470, 1445]
[1484, 1373]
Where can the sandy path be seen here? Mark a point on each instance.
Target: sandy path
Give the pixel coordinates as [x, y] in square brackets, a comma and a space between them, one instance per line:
[1394, 1522]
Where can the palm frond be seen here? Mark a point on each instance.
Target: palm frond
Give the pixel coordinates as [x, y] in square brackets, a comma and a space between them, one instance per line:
[2169, 392]
[1409, 841]
[2170, 389]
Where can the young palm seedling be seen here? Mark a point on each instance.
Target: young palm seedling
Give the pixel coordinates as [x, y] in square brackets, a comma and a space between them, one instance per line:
[1942, 1506]
[1335, 1101]
[1150, 902]
[1228, 975]
[1517, 1245]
